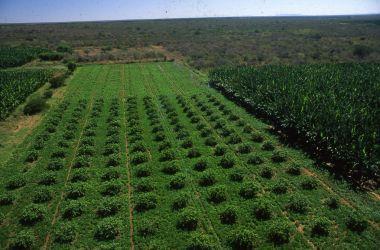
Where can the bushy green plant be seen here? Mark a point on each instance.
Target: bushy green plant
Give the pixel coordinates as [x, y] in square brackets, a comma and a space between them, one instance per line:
[144, 186]
[228, 161]
[65, 233]
[168, 155]
[279, 156]
[47, 179]
[145, 202]
[356, 223]
[237, 176]
[262, 210]
[280, 232]
[228, 215]
[23, 240]
[242, 239]
[249, 190]
[267, 173]
[188, 220]
[108, 207]
[294, 169]
[193, 153]
[142, 171]
[73, 209]
[200, 241]
[6, 199]
[32, 156]
[111, 188]
[207, 179]
[42, 195]
[267, 146]
[200, 165]
[108, 229]
[75, 191]
[320, 226]
[55, 165]
[139, 158]
[111, 175]
[217, 194]
[181, 201]
[244, 148]
[332, 203]
[35, 105]
[16, 182]
[308, 183]
[178, 181]
[298, 204]
[32, 214]
[280, 187]
[255, 160]
[220, 150]
[147, 227]
[171, 168]
[80, 175]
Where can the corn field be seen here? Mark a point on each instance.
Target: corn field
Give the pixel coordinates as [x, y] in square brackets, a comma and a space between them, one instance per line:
[335, 109]
[17, 56]
[16, 85]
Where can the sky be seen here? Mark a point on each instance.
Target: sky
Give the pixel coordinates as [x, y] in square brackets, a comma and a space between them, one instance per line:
[31, 11]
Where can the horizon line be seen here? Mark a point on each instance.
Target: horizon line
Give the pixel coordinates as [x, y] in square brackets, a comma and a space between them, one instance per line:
[183, 18]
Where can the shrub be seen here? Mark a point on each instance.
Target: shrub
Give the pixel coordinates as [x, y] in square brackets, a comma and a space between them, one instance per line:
[71, 66]
[320, 227]
[249, 190]
[160, 136]
[113, 160]
[356, 223]
[244, 148]
[58, 154]
[181, 201]
[111, 149]
[220, 150]
[35, 105]
[145, 202]
[142, 171]
[80, 175]
[144, 186]
[75, 191]
[187, 144]
[82, 162]
[332, 203]
[57, 81]
[237, 176]
[257, 138]
[242, 239]
[362, 51]
[16, 182]
[108, 229]
[193, 153]
[51, 56]
[111, 189]
[108, 207]
[280, 233]
[205, 132]
[262, 210]
[6, 199]
[178, 181]
[294, 170]
[247, 129]
[266, 173]
[278, 156]
[55, 164]
[139, 158]
[280, 187]
[228, 161]
[65, 233]
[188, 220]
[267, 146]
[309, 183]
[217, 194]
[207, 179]
[42, 195]
[73, 209]
[64, 48]
[210, 141]
[255, 160]
[138, 147]
[168, 155]
[228, 215]
[298, 204]
[32, 214]
[200, 241]
[171, 168]
[164, 146]
[111, 175]
[234, 139]
[47, 179]
[23, 240]
[147, 227]
[200, 165]
[32, 156]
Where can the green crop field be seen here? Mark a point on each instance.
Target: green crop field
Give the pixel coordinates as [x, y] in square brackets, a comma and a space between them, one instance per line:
[147, 156]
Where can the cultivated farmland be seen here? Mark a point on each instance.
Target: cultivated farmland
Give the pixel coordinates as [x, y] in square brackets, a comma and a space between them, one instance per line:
[147, 156]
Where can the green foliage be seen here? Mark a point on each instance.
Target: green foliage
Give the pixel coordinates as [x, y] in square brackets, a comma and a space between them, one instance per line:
[228, 161]
[228, 215]
[147, 228]
[6, 199]
[51, 56]
[181, 201]
[356, 223]
[242, 239]
[288, 94]
[298, 204]
[73, 209]
[57, 80]
[17, 56]
[170, 168]
[16, 182]
[320, 226]
[35, 105]
[280, 232]
[145, 202]
[207, 179]
[267, 173]
[65, 233]
[188, 220]
[249, 190]
[75, 191]
[42, 195]
[262, 210]
[178, 181]
[201, 241]
[362, 51]
[108, 207]
[217, 194]
[309, 183]
[108, 229]
[32, 214]
[23, 240]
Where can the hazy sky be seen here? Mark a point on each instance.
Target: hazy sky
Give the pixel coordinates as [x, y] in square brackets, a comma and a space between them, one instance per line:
[85, 10]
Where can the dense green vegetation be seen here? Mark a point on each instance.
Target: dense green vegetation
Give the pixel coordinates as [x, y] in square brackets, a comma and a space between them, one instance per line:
[17, 56]
[17, 84]
[333, 108]
[213, 42]
[146, 156]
